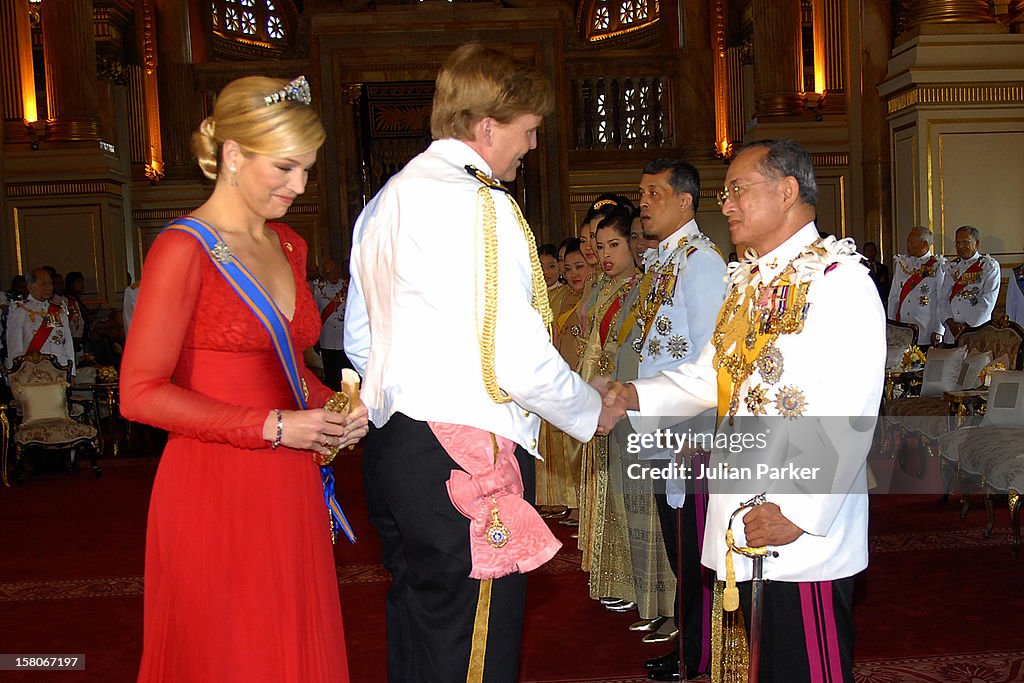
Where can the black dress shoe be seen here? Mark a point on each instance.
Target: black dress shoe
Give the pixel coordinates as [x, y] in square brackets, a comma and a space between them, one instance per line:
[671, 659]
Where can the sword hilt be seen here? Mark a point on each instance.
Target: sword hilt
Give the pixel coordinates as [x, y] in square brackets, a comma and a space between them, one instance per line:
[731, 594]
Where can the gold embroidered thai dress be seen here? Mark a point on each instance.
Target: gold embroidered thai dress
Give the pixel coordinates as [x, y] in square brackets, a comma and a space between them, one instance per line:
[558, 474]
[606, 307]
[639, 537]
[611, 571]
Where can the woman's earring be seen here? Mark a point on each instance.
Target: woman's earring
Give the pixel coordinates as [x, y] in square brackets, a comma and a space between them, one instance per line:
[234, 179]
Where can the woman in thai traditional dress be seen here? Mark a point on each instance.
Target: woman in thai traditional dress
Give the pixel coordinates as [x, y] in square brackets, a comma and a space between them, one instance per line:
[609, 576]
[558, 473]
[653, 581]
[240, 577]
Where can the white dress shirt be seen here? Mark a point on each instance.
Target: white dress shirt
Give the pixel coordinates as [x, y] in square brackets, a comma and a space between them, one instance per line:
[921, 304]
[836, 366]
[976, 301]
[416, 301]
[24, 319]
[333, 330]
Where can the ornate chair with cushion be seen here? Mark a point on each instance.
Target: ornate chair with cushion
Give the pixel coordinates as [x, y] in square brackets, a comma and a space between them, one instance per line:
[927, 417]
[992, 454]
[899, 339]
[40, 388]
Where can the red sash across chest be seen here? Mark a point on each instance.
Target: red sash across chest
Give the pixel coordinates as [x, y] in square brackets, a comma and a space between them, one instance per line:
[331, 306]
[960, 284]
[609, 316]
[45, 329]
[913, 281]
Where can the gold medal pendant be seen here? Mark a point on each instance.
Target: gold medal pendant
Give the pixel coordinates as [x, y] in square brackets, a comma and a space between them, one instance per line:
[497, 533]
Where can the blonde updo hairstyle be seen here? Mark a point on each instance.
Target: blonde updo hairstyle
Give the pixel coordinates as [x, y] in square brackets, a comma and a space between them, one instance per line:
[280, 129]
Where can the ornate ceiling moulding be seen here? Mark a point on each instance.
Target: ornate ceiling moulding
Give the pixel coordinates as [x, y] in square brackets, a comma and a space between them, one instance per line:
[160, 214]
[979, 93]
[830, 159]
[110, 21]
[63, 188]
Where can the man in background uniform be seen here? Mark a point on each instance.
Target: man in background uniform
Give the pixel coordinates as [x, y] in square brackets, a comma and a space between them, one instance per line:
[39, 324]
[914, 297]
[970, 287]
[329, 293]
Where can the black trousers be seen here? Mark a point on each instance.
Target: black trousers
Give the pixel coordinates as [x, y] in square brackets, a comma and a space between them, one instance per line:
[695, 581]
[432, 604]
[807, 631]
[334, 361]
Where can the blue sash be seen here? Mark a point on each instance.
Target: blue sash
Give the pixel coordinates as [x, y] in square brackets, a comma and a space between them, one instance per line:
[258, 300]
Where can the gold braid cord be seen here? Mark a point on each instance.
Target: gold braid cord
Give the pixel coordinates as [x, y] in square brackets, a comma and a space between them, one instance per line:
[541, 303]
[729, 653]
[540, 299]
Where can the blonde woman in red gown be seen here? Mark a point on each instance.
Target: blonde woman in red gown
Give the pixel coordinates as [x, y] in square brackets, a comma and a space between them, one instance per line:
[240, 577]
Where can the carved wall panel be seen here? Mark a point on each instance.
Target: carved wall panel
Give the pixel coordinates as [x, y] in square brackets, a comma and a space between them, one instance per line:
[67, 237]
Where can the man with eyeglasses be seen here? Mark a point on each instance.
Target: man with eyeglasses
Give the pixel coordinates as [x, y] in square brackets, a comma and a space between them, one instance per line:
[798, 349]
[971, 286]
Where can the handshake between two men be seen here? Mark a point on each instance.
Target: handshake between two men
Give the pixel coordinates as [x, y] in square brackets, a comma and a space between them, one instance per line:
[616, 399]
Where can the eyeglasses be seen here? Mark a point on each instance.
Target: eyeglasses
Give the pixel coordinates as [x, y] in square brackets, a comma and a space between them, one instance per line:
[736, 190]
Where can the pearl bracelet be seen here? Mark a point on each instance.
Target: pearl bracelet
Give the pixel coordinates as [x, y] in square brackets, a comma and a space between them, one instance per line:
[280, 429]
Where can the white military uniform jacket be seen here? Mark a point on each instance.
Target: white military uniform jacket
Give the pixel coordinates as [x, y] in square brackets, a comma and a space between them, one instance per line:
[975, 301]
[1015, 295]
[921, 303]
[416, 302]
[678, 321]
[333, 330]
[25, 317]
[834, 366]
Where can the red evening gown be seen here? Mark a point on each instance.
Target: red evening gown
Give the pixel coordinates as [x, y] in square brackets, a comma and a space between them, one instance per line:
[240, 578]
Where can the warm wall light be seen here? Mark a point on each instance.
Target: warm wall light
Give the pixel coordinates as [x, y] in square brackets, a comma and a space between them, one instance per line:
[818, 24]
[28, 106]
[721, 80]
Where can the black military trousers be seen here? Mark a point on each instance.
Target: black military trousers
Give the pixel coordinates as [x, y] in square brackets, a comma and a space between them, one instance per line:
[436, 614]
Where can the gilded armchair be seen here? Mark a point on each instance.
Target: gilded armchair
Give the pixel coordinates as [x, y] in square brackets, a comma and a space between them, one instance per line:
[39, 385]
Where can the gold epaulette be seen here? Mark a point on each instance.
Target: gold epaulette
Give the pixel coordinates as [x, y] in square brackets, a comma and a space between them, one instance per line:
[487, 180]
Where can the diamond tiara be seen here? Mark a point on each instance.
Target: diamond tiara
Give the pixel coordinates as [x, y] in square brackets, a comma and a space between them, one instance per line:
[297, 91]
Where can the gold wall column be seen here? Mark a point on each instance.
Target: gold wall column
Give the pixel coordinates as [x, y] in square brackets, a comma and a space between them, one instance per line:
[835, 56]
[69, 51]
[695, 86]
[178, 47]
[719, 26]
[875, 44]
[778, 58]
[17, 81]
[920, 12]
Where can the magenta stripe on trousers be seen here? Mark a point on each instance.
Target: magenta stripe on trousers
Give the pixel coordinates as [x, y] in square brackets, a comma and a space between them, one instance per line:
[820, 632]
[700, 498]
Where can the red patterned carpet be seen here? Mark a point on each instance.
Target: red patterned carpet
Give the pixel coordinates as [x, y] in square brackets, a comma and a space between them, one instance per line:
[938, 605]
